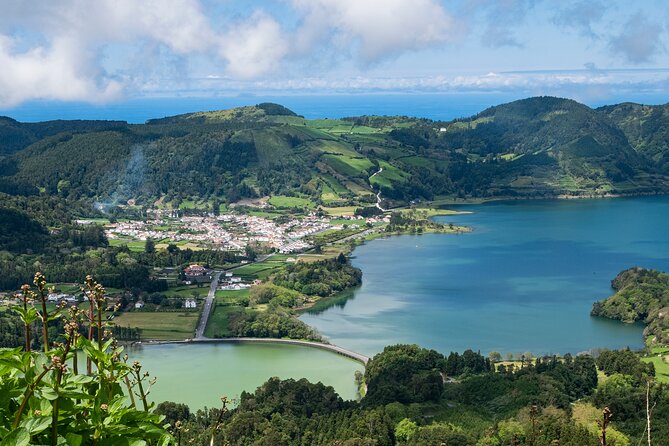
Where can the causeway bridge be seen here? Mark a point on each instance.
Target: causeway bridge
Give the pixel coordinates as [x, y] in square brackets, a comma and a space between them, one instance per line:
[330, 347]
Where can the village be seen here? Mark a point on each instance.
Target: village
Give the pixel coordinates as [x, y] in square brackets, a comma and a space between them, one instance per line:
[231, 232]
[285, 236]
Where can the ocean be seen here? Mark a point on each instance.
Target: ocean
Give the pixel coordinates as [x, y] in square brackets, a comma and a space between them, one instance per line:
[442, 106]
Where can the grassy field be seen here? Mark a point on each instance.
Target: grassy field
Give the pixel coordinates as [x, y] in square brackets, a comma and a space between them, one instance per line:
[133, 245]
[231, 296]
[271, 215]
[260, 270]
[339, 211]
[164, 326]
[388, 176]
[334, 184]
[227, 303]
[188, 291]
[282, 201]
[660, 359]
[348, 165]
[432, 212]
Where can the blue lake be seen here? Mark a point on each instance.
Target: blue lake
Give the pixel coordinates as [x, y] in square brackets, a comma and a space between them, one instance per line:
[524, 280]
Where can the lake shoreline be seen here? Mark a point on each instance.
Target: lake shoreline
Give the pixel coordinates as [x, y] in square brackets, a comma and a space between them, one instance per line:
[594, 196]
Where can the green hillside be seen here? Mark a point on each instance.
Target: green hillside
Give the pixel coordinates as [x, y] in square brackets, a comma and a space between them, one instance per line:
[645, 126]
[535, 147]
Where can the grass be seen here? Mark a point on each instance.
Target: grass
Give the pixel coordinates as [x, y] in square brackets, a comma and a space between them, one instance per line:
[232, 296]
[187, 291]
[219, 320]
[348, 165]
[285, 202]
[266, 214]
[339, 211]
[432, 212]
[260, 270]
[165, 326]
[388, 176]
[660, 359]
[133, 245]
[335, 147]
[328, 194]
[334, 184]
[226, 304]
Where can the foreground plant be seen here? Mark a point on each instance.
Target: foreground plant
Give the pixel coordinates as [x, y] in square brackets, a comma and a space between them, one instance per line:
[45, 400]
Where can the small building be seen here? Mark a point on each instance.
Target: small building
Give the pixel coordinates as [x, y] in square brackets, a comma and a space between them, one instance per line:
[139, 305]
[190, 303]
[195, 270]
[61, 297]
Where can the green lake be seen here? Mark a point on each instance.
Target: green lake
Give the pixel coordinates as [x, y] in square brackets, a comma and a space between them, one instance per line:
[199, 374]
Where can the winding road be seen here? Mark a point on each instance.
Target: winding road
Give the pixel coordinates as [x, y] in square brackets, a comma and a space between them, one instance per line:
[378, 194]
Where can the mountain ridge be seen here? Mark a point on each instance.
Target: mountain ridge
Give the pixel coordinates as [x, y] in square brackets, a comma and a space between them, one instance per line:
[534, 147]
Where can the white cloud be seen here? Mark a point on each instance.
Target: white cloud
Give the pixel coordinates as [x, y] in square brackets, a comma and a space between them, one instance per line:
[65, 61]
[98, 50]
[581, 15]
[60, 71]
[500, 19]
[377, 28]
[639, 40]
[254, 47]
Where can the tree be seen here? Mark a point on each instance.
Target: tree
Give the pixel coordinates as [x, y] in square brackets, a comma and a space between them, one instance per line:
[495, 356]
[149, 246]
[405, 430]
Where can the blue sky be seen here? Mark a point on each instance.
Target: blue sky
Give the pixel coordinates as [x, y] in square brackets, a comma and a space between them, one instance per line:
[113, 50]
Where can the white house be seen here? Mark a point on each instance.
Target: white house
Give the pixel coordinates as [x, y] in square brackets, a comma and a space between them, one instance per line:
[139, 305]
[190, 303]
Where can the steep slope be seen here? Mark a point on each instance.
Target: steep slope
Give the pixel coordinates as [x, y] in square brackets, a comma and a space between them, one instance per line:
[15, 135]
[645, 126]
[540, 145]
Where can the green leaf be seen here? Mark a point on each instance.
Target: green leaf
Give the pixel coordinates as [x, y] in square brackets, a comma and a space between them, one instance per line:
[81, 379]
[35, 425]
[17, 437]
[121, 441]
[49, 393]
[74, 439]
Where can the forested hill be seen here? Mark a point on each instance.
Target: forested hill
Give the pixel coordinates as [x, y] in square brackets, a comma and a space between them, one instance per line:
[535, 147]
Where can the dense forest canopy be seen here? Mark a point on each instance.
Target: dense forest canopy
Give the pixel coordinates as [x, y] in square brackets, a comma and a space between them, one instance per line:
[641, 295]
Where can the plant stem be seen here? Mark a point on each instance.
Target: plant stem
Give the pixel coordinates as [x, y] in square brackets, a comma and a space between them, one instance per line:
[25, 323]
[56, 405]
[26, 397]
[132, 397]
[91, 318]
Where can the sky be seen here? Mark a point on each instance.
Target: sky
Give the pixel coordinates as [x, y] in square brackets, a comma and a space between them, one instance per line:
[107, 51]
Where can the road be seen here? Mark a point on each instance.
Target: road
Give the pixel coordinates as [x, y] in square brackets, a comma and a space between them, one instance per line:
[209, 302]
[208, 305]
[330, 347]
[378, 194]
